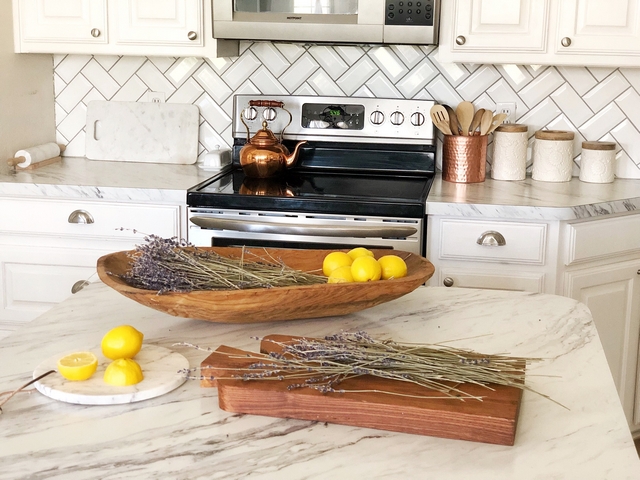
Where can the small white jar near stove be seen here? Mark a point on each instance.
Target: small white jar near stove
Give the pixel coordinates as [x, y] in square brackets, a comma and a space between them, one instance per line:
[510, 152]
[553, 156]
[598, 162]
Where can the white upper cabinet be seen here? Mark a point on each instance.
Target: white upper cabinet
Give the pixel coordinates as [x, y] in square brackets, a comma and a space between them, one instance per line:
[496, 25]
[71, 21]
[118, 27]
[543, 32]
[167, 22]
[599, 27]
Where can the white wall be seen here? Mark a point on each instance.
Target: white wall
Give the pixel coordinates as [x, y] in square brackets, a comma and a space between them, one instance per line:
[26, 94]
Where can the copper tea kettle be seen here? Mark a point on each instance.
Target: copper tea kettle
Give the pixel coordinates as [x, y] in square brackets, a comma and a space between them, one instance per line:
[264, 155]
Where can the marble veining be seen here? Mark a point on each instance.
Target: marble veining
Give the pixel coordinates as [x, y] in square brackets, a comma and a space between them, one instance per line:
[184, 434]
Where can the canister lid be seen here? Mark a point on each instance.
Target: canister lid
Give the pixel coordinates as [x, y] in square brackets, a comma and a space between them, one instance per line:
[598, 145]
[554, 135]
[512, 128]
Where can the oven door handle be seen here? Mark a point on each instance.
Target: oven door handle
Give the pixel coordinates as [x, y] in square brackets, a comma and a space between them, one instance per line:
[293, 229]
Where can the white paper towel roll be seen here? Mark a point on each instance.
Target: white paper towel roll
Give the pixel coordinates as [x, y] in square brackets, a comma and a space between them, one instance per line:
[37, 154]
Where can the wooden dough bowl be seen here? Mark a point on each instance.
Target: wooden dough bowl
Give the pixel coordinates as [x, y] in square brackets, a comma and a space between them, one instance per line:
[271, 304]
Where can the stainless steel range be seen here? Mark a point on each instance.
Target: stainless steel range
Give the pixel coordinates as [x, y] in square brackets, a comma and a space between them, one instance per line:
[361, 179]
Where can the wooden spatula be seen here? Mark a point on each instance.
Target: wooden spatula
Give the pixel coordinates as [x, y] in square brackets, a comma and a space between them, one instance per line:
[440, 119]
[485, 123]
[475, 123]
[453, 120]
[464, 112]
[496, 122]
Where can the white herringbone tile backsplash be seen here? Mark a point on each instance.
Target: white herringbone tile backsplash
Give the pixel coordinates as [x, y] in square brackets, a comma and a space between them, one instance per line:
[596, 103]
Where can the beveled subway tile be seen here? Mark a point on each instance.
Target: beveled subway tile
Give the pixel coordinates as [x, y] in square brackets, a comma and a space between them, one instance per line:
[410, 55]
[162, 63]
[182, 70]
[501, 91]
[106, 61]
[209, 138]
[478, 82]
[154, 79]
[602, 122]
[382, 87]
[633, 77]
[629, 103]
[291, 51]
[442, 92]
[330, 62]
[305, 89]
[71, 65]
[299, 72]
[125, 68]
[454, 73]
[269, 85]
[241, 69]
[600, 73]
[350, 54]
[212, 113]
[74, 92]
[58, 84]
[516, 75]
[100, 79]
[570, 102]
[541, 87]
[606, 91]
[628, 138]
[323, 84]
[189, 92]
[132, 91]
[388, 62]
[580, 78]
[625, 167]
[74, 122]
[213, 84]
[417, 79]
[270, 57]
[357, 75]
[541, 115]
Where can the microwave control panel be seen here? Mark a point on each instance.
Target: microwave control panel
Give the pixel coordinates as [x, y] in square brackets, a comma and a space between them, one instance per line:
[410, 12]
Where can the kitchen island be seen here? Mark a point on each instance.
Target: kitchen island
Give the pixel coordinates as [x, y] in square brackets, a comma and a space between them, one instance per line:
[184, 434]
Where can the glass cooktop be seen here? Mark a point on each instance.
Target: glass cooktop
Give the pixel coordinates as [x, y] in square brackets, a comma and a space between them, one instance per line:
[317, 192]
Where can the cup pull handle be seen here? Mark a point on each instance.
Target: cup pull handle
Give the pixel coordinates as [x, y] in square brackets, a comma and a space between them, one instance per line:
[80, 216]
[491, 238]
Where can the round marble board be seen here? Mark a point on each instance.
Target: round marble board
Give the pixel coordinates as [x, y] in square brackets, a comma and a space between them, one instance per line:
[159, 366]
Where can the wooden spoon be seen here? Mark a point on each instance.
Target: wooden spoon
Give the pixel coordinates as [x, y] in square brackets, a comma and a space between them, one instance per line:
[485, 123]
[475, 123]
[496, 122]
[453, 120]
[440, 119]
[464, 112]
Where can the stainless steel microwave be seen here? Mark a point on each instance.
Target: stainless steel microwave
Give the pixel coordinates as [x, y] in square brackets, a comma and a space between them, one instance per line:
[328, 21]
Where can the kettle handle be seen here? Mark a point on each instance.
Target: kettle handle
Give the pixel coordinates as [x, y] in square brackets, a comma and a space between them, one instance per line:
[268, 104]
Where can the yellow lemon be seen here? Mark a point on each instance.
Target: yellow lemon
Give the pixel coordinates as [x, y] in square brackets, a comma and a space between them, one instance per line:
[341, 275]
[359, 252]
[392, 267]
[78, 366]
[121, 342]
[335, 260]
[365, 269]
[123, 372]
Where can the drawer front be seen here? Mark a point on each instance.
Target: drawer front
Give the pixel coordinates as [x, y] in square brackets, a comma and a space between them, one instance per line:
[88, 218]
[525, 242]
[603, 238]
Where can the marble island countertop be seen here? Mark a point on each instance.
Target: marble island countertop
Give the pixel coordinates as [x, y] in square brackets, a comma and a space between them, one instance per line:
[184, 434]
[76, 177]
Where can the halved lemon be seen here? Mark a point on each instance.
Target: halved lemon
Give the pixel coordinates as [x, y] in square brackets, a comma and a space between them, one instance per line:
[123, 372]
[78, 366]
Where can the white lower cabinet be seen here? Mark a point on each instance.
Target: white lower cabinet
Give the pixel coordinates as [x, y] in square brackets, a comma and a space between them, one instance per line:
[595, 261]
[48, 248]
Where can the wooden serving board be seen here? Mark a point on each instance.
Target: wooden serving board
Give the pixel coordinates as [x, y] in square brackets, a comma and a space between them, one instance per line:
[492, 420]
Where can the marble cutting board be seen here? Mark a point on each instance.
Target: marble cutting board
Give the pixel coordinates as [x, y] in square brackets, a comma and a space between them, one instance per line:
[159, 365]
[142, 132]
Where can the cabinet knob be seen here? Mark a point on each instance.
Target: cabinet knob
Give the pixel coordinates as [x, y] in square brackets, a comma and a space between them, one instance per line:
[95, 32]
[491, 238]
[79, 285]
[80, 216]
[448, 282]
[460, 40]
[566, 42]
[192, 35]
[638, 272]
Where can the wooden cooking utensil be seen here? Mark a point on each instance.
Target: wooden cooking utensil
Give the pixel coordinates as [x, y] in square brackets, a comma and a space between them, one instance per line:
[464, 112]
[475, 123]
[485, 123]
[440, 119]
[496, 122]
[453, 120]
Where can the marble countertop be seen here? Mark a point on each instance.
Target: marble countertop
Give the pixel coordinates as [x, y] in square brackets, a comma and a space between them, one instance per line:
[184, 434]
[529, 199]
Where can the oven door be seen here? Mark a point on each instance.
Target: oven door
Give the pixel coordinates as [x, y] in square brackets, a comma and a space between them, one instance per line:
[212, 227]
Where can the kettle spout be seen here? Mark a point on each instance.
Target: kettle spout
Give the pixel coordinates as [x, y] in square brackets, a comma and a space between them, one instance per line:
[293, 157]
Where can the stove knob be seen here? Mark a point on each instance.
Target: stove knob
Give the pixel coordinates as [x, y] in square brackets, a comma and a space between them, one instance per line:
[269, 114]
[250, 113]
[397, 118]
[417, 119]
[377, 117]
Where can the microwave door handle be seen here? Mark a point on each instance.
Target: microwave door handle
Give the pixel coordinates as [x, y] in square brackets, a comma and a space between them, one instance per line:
[293, 229]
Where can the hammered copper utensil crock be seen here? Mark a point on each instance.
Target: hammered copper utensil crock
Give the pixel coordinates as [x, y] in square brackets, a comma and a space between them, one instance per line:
[464, 158]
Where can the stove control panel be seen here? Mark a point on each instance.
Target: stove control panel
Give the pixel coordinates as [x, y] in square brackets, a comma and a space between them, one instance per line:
[346, 119]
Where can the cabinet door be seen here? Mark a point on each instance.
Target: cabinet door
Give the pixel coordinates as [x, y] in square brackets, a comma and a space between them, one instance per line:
[612, 293]
[159, 22]
[598, 26]
[65, 21]
[500, 26]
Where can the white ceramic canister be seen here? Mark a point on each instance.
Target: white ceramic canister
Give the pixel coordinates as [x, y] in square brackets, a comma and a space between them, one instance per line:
[510, 152]
[553, 156]
[598, 162]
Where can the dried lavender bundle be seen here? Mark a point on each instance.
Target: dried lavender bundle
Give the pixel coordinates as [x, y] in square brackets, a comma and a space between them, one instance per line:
[172, 265]
[322, 364]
